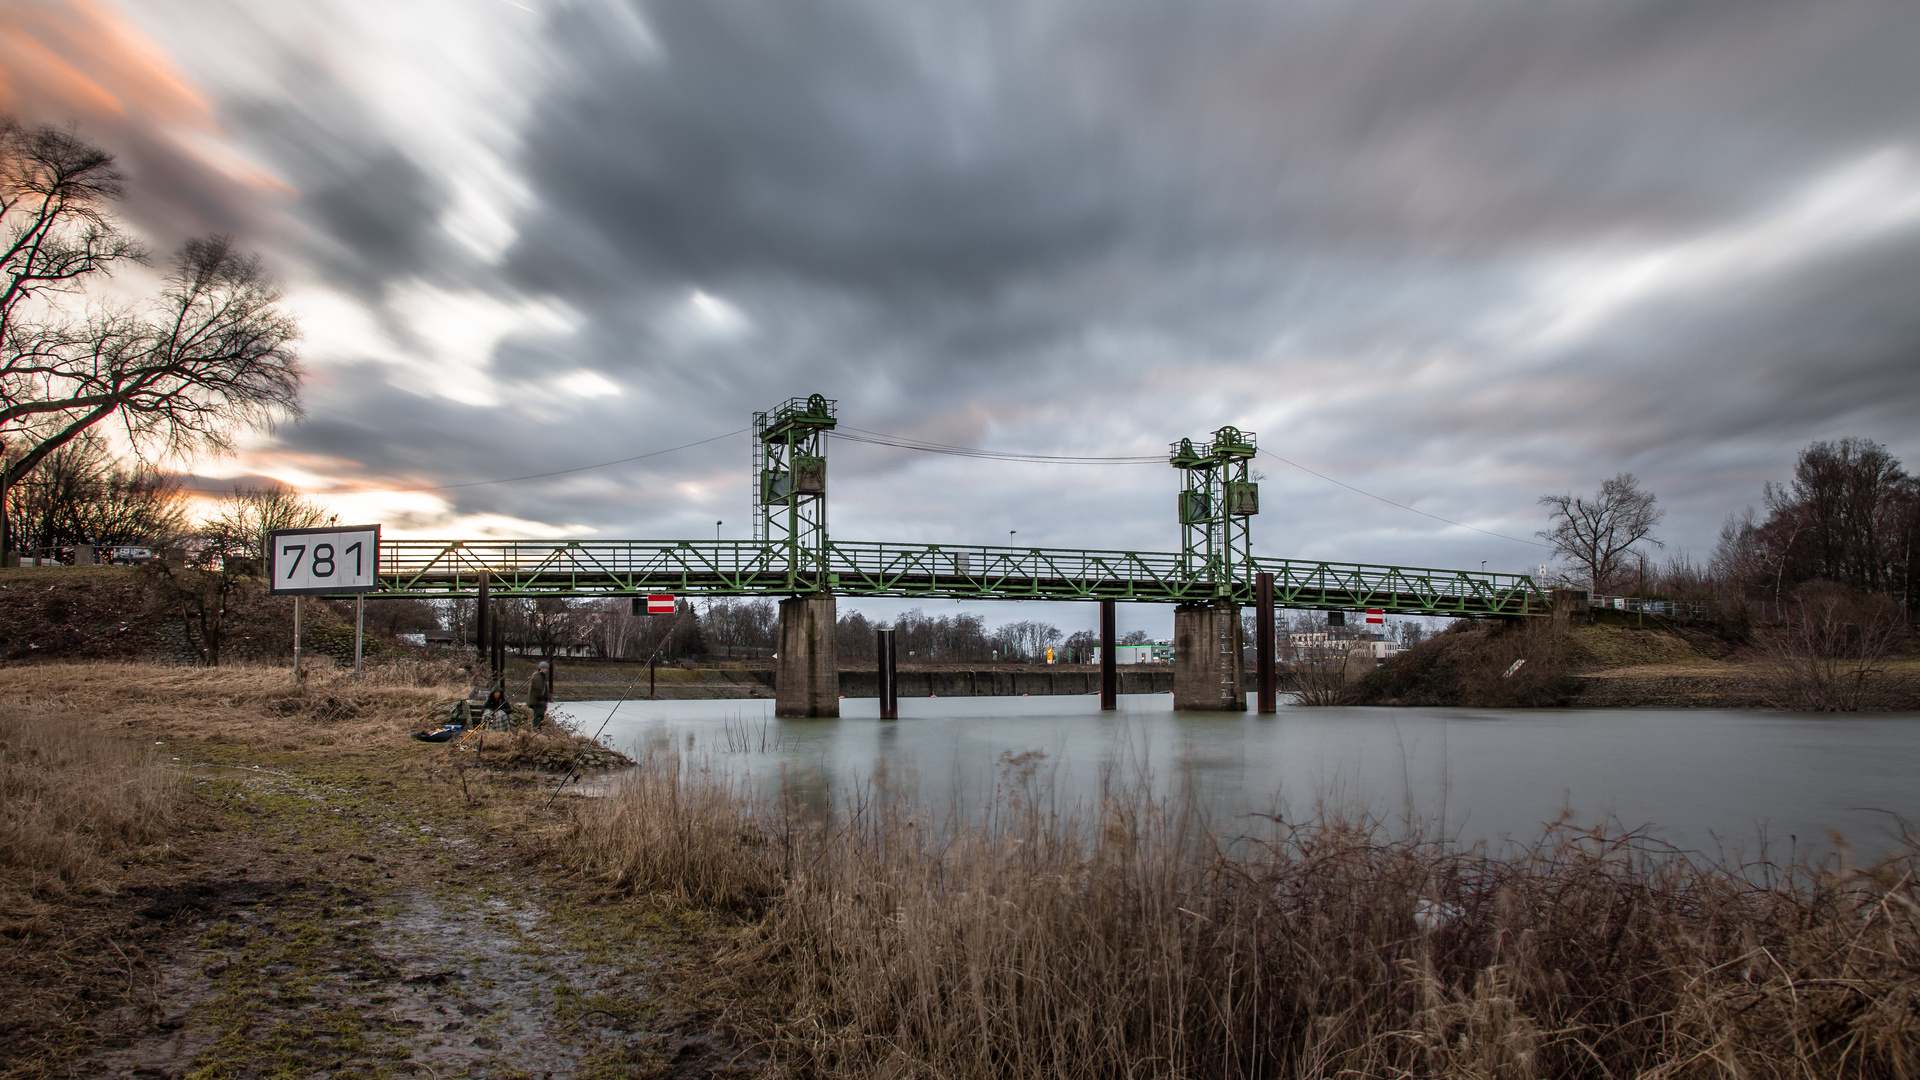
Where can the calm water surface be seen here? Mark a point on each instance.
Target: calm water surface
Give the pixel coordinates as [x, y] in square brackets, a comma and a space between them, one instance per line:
[1717, 782]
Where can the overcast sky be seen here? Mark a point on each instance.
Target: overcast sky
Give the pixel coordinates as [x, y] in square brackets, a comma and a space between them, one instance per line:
[1455, 254]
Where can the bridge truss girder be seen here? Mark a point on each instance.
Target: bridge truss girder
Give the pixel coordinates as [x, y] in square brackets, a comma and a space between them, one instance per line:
[436, 569]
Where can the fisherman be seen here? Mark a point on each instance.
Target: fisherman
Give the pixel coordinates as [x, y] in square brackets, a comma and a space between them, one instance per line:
[537, 690]
[497, 705]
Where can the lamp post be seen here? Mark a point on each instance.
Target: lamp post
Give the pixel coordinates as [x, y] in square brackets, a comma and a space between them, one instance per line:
[716, 530]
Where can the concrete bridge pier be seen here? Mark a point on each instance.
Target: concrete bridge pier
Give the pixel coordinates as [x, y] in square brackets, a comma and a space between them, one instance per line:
[1209, 669]
[806, 675]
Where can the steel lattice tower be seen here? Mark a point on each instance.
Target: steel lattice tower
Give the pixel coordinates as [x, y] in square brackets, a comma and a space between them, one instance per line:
[790, 485]
[1217, 504]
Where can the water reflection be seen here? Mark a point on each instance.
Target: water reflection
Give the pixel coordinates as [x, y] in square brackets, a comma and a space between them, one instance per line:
[1718, 782]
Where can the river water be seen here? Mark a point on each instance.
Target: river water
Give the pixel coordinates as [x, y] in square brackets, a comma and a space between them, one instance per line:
[1721, 783]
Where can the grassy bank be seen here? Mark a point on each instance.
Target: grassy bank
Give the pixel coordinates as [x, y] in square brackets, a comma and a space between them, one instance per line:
[1472, 664]
[224, 874]
[1116, 941]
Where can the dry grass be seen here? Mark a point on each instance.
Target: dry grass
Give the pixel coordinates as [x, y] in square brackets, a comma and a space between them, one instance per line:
[78, 794]
[1120, 942]
[70, 799]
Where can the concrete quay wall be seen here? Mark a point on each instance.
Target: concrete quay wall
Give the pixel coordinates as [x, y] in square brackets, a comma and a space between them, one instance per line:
[1037, 683]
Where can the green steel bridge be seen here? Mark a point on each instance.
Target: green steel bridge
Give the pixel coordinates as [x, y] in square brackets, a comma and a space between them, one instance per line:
[792, 555]
[455, 568]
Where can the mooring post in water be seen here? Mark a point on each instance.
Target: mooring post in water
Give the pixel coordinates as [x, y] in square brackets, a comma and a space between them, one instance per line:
[1263, 681]
[889, 676]
[1109, 675]
[296, 637]
[359, 628]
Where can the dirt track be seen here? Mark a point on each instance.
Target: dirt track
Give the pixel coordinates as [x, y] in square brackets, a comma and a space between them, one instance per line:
[341, 901]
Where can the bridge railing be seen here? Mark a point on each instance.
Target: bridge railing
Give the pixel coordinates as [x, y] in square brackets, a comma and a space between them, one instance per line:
[863, 568]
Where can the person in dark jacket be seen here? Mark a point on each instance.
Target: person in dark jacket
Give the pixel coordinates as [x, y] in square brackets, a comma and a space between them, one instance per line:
[537, 689]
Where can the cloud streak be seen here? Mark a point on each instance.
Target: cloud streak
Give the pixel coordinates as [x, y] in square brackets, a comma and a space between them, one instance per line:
[1455, 256]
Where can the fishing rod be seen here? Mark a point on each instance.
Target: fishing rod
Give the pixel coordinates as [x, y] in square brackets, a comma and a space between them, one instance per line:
[575, 767]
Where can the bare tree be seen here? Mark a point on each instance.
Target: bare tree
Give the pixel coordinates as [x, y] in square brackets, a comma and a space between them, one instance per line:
[80, 494]
[1598, 535]
[242, 523]
[1740, 560]
[1832, 650]
[228, 555]
[185, 371]
[1847, 515]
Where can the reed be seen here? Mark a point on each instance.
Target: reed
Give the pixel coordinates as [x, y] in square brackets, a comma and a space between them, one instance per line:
[83, 783]
[1129, 939]
[70, 798]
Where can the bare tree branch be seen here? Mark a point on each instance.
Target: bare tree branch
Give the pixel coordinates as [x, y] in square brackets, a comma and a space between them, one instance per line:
[1597, 534]
[207, 358]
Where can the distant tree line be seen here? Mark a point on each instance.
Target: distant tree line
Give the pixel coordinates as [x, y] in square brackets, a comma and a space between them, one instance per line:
[962, 638]
[1849, 515]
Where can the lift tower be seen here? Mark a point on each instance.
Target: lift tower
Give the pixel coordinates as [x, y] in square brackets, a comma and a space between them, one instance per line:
[1217, 504]
[790, 486]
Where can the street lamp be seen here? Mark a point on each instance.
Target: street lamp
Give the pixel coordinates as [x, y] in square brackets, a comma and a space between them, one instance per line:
[716, 530]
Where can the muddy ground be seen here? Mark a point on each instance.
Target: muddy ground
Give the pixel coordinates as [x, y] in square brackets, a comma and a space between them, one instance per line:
[337, 900]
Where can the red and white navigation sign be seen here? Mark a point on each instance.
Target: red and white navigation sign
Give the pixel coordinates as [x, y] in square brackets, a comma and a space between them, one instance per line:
[1377, 616]
[656, 604]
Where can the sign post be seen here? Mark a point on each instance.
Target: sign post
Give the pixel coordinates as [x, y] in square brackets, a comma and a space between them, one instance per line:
[330, 561]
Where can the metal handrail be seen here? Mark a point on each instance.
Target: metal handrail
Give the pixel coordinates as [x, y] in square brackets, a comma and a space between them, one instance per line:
[872, 568]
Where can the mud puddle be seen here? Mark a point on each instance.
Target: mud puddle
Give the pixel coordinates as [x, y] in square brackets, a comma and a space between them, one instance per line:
[347, 937]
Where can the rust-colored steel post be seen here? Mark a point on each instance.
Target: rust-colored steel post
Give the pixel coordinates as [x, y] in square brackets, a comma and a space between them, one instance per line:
[1263, 688]
[499, 657]
[482, 632]
[1109, 676]
[889, 675]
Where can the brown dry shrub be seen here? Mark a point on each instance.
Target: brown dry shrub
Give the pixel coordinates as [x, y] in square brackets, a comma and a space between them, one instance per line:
[1834, 650]
[1472, 665]
[1126, 941]
[687, 835]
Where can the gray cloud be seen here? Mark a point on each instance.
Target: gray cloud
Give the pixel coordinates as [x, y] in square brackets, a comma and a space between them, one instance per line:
[1098, 226]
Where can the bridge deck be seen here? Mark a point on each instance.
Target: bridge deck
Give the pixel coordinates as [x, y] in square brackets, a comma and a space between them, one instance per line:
[441, 568]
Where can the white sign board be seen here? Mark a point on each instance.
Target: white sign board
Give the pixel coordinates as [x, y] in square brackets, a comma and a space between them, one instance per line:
[342, 559]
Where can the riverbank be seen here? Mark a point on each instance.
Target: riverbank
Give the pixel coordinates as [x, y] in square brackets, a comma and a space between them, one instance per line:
[1538, 664]
[1051, 939]
[218, 874]
[306, 891]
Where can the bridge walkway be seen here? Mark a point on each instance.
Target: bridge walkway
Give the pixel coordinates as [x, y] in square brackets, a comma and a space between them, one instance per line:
[454, 568]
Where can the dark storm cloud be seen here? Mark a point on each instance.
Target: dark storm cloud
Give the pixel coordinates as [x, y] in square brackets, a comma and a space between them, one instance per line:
[806, 140]
[374, 213]
[1091, 164]
[1107, 223]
